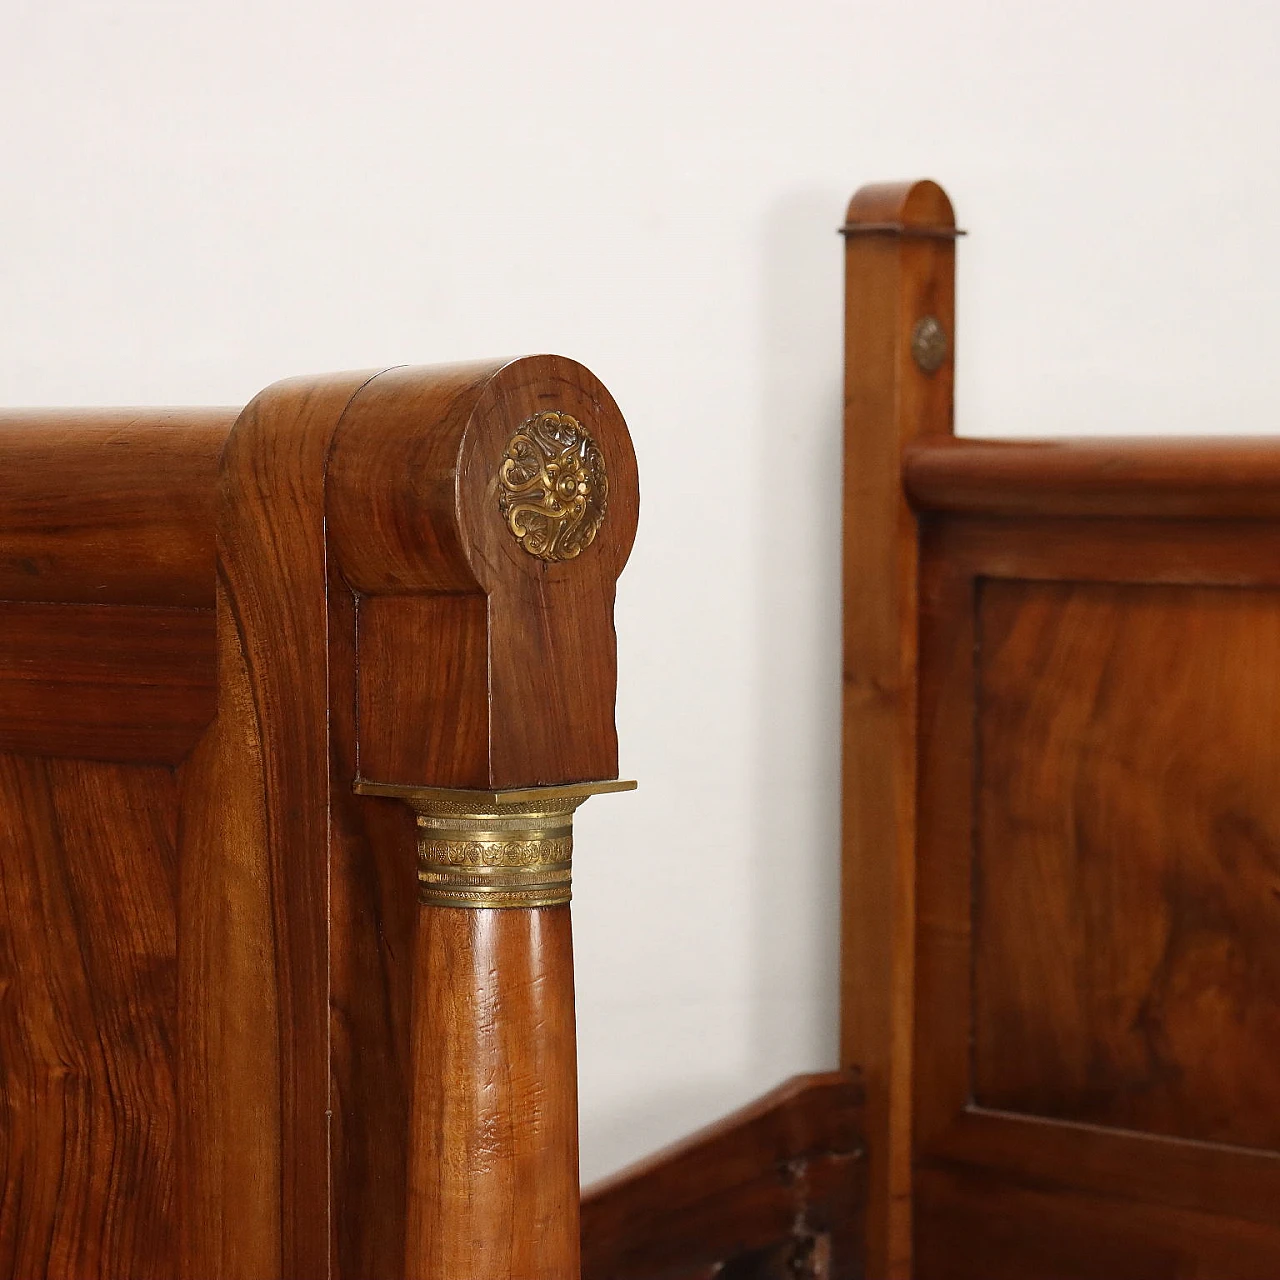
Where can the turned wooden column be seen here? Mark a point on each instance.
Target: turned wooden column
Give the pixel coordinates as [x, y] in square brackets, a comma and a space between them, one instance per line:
[415, 576]
[482, 523]
[493, 1175]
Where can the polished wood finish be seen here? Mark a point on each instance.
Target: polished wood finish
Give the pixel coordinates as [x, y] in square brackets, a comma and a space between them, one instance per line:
[88, 968]
[494, 1128]
[109, 506]
[1167, 796]
[413, 513]
[238, 1043]
[1216, 477]
[105, 681]
[899, 269]
[774, 1190]
[972, 1225]
[253, 919]
[1093, 1006]
[1126, 803]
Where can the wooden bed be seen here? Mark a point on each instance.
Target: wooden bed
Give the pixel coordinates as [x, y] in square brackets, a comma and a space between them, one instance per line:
[1061, 958]
[298, 701]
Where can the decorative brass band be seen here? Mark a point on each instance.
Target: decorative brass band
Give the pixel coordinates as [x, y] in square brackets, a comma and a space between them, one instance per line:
[495, 849]
[485, 858]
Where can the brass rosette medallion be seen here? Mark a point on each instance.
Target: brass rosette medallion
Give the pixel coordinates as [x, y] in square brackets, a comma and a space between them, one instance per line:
[553, 490]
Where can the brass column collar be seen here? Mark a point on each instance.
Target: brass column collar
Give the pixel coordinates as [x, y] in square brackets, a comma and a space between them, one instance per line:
[494, 849]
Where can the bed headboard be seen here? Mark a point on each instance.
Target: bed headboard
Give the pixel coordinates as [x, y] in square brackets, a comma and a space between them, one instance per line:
[1061, 965]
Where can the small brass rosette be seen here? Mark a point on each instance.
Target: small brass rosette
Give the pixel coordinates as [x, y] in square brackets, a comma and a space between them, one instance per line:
[553, 490]
[929, 344]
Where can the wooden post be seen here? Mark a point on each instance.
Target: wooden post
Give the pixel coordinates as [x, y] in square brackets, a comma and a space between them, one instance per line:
[493, 1165]
[900, 327]
[417, 573]
[493, 1176]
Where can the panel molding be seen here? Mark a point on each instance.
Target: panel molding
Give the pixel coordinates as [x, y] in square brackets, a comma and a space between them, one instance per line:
[950, 1131]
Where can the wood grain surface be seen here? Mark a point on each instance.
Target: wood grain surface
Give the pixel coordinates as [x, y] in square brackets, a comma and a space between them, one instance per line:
[109, 506]
[413, 514]
[1127, 804]
[1095, 910]
[899, 269]
[494, 1112]
[1168, 621]
[88, 1014]
[768, 1191]
[105, 682]
[254, 920]
[1218, 477]
[1061, 828]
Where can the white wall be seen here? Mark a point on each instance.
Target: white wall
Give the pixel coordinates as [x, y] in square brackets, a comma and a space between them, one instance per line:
[198, 199]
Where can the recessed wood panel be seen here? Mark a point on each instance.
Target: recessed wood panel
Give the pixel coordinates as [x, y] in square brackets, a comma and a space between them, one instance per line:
[88, 1008]
[1126, 952]
[974, 1225]
[105, 682]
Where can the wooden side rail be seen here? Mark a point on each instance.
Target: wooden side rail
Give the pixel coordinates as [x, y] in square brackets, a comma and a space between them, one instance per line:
[298, 702]
[772, 1192]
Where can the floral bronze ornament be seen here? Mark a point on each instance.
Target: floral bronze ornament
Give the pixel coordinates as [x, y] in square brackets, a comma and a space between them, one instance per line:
[552, 486]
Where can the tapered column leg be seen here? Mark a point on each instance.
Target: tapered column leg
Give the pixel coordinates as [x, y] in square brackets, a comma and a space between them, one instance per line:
[493, 1160]
[493, 1175]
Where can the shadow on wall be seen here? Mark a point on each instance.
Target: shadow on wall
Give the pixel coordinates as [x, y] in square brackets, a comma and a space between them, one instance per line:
[795, 522]
[776, 1015]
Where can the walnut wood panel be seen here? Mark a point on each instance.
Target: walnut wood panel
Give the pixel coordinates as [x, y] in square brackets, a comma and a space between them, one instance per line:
[411, 712]
[109, 506]
[373, 911]
[254, 978]
[1179, 622]
[105, 682]
[972, 1225]
[1127, 804]
[773, 1188]
[899, 270]
[88, 1012]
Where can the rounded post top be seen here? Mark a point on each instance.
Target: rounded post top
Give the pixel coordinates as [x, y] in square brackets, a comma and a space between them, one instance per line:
[922, 207]
[502, 476]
